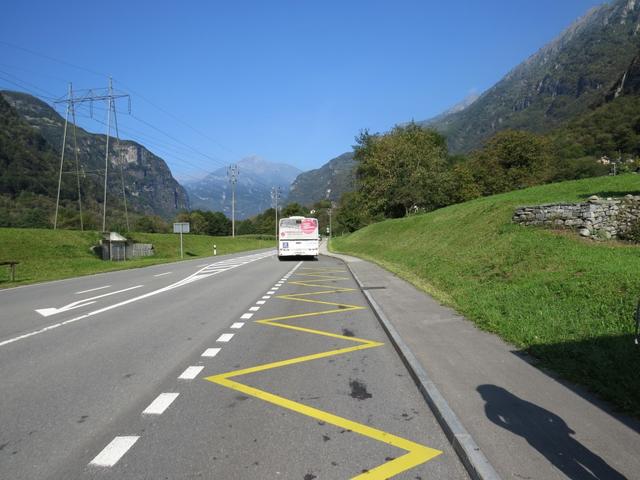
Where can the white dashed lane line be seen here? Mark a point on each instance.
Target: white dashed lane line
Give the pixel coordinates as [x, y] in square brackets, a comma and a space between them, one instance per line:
[210, 352]
[119, 446]
[92, 290]
[113, 452]
[191, 372]
[160, 404]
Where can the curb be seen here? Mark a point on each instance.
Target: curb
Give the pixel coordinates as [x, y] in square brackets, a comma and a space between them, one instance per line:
[477, 465]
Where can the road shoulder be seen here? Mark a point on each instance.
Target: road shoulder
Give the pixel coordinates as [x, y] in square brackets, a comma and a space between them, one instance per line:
[527, 423]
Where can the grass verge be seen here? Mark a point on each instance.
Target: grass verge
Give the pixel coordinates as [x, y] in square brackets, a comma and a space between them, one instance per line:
[52, 255]
[567, 301]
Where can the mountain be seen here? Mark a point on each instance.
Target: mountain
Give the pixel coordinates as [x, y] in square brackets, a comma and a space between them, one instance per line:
[458, 107]
[253, 189]
[149, 185]
[566, 78]
[327, 182]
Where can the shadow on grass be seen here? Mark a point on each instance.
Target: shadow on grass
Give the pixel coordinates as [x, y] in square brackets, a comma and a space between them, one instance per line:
[545, 431]
[613, 194]
[608, 366]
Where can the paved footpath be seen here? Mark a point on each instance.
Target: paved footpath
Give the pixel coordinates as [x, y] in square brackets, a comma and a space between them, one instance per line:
[528, 424]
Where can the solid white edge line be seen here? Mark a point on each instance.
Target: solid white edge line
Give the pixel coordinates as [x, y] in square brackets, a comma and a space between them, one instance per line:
[160, 404]
[246, 316]
[210, 352]
[114, 451]
[92, 290]
[191, 372]
[225, 337]
[237, 325]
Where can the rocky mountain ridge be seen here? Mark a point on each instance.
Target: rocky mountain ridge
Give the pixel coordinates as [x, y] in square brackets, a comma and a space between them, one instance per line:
[149, 184]
[564, 79]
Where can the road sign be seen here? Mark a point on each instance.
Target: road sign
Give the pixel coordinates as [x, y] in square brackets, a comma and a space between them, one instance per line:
[181, 227]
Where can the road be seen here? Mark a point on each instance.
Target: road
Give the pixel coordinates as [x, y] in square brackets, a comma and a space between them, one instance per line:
[237, 367]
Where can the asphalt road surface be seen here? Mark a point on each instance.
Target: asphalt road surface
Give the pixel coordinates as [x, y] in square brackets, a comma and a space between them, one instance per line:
[236, 367]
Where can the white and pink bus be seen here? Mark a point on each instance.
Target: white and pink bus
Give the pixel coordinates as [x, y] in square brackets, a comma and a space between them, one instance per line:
[298, 236]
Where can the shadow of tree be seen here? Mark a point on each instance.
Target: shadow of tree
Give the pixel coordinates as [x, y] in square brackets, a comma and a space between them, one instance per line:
[548, 433]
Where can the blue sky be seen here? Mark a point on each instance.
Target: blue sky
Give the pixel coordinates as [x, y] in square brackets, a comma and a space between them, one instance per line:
[290, 81]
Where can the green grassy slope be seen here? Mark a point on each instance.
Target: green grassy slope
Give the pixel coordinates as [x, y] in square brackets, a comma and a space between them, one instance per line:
[50, 255]
[566, 300]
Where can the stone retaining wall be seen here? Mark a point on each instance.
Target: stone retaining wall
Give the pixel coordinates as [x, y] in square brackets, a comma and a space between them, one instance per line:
[596, 218]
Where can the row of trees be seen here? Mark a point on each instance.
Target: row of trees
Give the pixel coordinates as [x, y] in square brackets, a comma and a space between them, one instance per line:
[409, 170]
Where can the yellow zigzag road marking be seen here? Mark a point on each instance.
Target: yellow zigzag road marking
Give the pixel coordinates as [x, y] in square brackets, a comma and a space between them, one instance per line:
[417, 454]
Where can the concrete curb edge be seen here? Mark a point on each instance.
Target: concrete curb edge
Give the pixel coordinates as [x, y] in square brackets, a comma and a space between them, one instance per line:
[468, 451]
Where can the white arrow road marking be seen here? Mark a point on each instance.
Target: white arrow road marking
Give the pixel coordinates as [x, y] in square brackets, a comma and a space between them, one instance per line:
[46, 312]
[202, 273]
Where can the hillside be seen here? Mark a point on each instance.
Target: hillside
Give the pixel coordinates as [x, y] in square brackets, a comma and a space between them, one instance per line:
[567, 301]
[150, 187]
[578, 70]
[327, 182]
[253, 190]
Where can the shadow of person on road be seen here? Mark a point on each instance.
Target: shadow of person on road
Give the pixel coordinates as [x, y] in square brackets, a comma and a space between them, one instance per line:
[547, 433]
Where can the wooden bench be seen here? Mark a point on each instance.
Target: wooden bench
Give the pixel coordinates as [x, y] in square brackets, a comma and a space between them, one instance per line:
[12, 269]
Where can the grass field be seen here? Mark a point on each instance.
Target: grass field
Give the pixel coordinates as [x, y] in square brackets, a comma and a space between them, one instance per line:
[567, 301]
[51, 255]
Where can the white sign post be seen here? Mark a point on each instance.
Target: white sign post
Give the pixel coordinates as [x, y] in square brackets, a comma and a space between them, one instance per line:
[181, 227]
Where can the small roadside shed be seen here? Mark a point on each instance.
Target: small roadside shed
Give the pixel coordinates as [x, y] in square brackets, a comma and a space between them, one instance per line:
[114, 246]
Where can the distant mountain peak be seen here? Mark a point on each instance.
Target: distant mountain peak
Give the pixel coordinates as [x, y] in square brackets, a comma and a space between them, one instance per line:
[253, 189]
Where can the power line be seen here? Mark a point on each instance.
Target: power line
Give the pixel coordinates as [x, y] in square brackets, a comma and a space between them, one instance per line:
[53, 59]
[100, 74]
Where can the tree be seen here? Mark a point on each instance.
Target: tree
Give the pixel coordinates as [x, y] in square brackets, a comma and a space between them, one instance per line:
[294, 209]
[350, 216]
[401, 170]
[151, 224]
[512, 160]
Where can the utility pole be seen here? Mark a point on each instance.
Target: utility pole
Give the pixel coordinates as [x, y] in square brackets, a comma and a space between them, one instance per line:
[90, 96]
[124, 191]
[275, 194]
[232, 172]
[64, 145]
[106, 157]
[76, 151]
